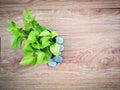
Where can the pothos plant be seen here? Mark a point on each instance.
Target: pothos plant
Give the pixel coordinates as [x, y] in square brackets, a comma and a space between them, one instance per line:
[36, 41]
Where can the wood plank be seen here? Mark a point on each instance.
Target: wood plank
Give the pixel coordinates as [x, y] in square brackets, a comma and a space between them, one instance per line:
[91, 32]
[60, 4]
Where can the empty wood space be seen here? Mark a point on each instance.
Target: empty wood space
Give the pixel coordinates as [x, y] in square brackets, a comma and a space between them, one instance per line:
[91, 32]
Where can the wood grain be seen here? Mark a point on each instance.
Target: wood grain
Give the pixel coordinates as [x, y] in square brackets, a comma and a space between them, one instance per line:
[91, 32]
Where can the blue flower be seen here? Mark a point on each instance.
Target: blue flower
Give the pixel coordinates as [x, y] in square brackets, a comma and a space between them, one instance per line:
[58, 59]
[61, 47]
[52, 63]
[59, 40]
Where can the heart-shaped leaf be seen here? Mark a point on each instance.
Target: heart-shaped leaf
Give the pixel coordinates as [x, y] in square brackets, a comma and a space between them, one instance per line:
[40, 57]
[44, 33]
[26, 60]
[54, 48]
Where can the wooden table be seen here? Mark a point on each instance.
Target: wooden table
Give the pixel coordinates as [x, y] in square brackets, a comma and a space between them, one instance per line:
[91, 32]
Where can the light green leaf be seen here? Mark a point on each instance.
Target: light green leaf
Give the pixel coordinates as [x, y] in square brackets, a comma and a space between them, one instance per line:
[31, 38]
[54, 48]
[26, 60]
[42, 27]
[27, 19]
[31, 24]
[46, 59]
[45, 42]
[36, 33]
[38, 28]
[16, 32]
[10, 25]
[40, 57]
[47, 51]
[53, 34]
[36, 45]
[48, 55]
[44, 33]
[20, 40]
[27, 49]
[26, 14]
[28, 26]
[13, 28]
[14, 42]
[34, 61]
[34, 22]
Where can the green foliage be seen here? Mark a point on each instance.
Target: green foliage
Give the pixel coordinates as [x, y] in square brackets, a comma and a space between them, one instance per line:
[40, 57]
[44, 33]
[53, 34]
[54, 48]
[26, 60]
[35, 40]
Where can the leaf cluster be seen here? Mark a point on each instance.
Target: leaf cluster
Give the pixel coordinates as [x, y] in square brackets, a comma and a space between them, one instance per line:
[36, 42]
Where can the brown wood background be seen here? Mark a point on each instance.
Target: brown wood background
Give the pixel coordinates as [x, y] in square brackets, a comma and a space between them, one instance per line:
[91, 32]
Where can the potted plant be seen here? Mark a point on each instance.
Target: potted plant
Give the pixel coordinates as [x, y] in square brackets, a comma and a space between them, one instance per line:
[39, 44]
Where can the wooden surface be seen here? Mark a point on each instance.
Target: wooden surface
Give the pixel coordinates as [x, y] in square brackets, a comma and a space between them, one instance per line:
[91, 32]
